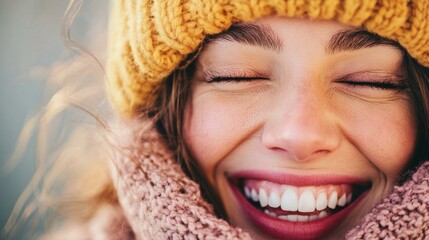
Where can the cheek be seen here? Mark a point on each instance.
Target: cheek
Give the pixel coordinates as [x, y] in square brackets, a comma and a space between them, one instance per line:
[215, 126]
[207, 131]
[386, 135]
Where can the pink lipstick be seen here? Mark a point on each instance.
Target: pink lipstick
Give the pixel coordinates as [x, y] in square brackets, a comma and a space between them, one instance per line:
[291, 206]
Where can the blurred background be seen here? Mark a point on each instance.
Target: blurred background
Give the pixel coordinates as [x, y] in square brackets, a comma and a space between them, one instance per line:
[30, 42]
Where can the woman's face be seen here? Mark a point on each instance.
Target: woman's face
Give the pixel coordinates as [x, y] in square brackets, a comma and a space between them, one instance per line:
[299, 126]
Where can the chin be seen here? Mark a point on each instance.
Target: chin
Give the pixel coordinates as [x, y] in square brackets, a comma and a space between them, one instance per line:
[286, 206]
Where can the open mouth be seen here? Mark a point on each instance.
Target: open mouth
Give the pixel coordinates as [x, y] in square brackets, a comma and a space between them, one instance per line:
[299, 204]
[305, 210]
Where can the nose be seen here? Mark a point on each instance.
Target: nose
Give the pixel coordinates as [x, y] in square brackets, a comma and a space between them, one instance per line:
[302, 127]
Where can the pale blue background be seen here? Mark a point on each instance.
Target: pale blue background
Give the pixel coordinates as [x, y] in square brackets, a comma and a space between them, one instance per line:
[29, 38]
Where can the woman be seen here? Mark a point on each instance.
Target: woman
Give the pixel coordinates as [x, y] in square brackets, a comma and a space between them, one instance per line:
[299, 123]
[297, 119]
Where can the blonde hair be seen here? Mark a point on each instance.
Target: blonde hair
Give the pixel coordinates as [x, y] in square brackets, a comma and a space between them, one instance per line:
[72, 177]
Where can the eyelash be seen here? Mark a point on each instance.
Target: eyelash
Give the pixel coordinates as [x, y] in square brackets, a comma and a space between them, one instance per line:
[234, 78]
[384, 85]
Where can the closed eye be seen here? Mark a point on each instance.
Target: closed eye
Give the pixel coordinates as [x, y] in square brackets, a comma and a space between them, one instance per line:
[383, 85]
[234, 79]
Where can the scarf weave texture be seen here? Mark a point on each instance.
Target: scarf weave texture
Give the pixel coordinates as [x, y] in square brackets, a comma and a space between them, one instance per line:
[158, 201]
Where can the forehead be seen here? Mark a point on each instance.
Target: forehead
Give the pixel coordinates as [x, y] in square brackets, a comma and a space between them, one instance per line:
[275, 32]
[287, 26]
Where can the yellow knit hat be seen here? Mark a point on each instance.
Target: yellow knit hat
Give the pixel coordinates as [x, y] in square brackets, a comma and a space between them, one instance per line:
[149, 38]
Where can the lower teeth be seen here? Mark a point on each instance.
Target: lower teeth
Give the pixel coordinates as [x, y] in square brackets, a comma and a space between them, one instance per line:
[296, 217]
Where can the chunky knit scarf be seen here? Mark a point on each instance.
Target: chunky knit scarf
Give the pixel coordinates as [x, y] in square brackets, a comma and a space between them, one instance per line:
[158, 201]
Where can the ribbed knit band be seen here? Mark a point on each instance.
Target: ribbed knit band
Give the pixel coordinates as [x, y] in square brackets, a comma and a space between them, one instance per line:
[149, 38]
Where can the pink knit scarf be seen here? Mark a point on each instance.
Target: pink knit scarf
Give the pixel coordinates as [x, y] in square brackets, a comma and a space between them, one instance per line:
[158, 201]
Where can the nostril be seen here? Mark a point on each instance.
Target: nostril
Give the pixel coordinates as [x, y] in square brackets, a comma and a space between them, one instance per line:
[320, 153]
[308, 156]
[301, 155]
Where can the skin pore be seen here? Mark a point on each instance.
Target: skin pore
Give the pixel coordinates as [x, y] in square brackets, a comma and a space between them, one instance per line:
[293, 105]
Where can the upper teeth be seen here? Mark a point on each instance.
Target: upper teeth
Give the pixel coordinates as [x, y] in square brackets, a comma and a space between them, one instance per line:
[304, 199]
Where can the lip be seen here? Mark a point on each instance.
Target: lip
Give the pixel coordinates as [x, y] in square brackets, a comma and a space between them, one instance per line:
[294, 230]
[298, 180]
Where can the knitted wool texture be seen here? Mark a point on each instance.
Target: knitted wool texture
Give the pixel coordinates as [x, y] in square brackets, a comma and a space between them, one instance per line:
[158, 201]
[150, 38]
[161, 202]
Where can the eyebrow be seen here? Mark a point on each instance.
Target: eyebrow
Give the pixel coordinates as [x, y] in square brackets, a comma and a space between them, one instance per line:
[263, 36]
[250, 34]
[355, 39]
